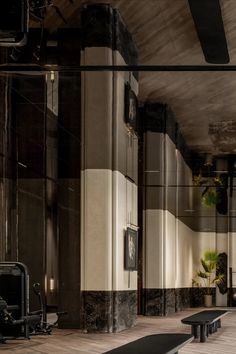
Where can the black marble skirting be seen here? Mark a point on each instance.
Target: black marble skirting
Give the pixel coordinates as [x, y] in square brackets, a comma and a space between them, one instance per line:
[161, 302]
[108, 311]
[124, 310]
[197, 296]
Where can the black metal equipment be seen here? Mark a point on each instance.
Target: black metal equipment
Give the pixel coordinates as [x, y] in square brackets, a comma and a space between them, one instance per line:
[42, 326]
[14, 22]
[10, 324]
[15, 318]
[14, 289]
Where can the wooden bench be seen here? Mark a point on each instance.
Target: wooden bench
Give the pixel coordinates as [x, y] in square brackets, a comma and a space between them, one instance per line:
[168, 343]
[208, 321]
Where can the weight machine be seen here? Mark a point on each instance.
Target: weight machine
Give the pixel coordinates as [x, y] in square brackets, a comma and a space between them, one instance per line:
[15, 318]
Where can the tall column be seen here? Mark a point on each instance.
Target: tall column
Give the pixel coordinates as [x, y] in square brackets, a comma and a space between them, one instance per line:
[109, 174]
[168, 234]
[69, 179]
[153, 225]
[3, 89]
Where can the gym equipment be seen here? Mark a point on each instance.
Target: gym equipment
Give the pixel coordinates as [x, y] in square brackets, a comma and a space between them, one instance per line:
[9, 324]
[14, 289]
[42, 326]
[14, 20]
[15, 318]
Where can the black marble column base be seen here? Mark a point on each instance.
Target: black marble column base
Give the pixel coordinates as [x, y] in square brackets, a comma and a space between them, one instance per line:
[109, 311]
[161, 302]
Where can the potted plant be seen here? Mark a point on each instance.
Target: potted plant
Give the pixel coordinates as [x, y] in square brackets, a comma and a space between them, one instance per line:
[210, 197]
[212, 193]
[207, 276]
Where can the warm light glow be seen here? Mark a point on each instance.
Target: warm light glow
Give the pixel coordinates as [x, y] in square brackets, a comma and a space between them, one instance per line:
[45, 284]
[52, 76]
[52, 284]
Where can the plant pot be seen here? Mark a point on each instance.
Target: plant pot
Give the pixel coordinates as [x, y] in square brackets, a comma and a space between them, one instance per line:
[208, 300]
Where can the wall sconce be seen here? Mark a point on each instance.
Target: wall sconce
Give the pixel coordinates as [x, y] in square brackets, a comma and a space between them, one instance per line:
[52, 76]
[52, 285]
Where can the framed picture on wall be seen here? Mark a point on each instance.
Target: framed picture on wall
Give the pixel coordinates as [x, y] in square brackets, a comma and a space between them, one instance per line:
[131, 108]
[131, 249]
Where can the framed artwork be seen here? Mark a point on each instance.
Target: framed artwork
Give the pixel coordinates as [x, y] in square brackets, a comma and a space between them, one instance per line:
[131, 108]
[131, 249]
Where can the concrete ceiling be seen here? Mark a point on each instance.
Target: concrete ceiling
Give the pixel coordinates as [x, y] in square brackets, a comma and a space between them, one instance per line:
[203, 102]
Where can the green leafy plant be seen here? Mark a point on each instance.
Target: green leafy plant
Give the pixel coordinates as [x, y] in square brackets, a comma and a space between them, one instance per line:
[210, 195]
[207, 275]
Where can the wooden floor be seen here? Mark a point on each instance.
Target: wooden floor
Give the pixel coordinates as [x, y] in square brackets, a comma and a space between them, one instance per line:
[76, 342]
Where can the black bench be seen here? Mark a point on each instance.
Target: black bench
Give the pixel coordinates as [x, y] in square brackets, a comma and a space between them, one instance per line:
[168, 343]
[208, 321]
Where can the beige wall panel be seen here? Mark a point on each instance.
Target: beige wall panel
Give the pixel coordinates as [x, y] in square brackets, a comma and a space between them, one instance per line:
[170, 175]
[97, 111]
[134, 212]
[125, 146]
[169, 250]
[185, 190]
[202, 241]
[127, 76]
[170, 162]
[154, 158]
[97, 230]
[154, 249]
[108, 199]
[122, 279]
[184, 255]
[132, 203]
[129, 202]
[222, 242]
[119, 126]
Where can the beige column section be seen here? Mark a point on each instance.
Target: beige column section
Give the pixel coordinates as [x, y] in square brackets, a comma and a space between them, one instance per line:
[96, 175]
[125, 169]
[108, 195]
[170, 214]
[153, 213]
[169, 238]
[184, 234]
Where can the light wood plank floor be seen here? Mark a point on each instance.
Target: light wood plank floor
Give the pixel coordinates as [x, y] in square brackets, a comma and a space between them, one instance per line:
[76, 342]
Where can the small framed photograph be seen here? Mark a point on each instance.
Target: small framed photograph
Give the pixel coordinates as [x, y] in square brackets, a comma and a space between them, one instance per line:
[131, 108]
[131, 249]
